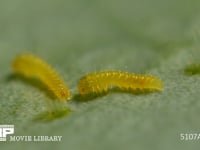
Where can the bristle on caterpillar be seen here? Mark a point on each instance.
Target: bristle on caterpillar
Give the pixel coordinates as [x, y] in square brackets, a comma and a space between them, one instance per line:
[31, 66]
[192, 69]
[99, 82]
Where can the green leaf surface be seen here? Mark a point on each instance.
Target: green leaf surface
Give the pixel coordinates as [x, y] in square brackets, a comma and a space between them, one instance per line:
[76, 37]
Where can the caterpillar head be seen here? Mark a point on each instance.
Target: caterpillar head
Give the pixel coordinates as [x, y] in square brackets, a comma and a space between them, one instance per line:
[84, 86]
[65, 94]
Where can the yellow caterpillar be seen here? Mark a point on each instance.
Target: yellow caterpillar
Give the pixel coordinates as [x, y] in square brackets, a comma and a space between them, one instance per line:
[32, 66]
[99, 82]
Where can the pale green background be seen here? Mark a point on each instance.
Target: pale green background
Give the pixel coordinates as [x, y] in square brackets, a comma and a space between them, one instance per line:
[158, 37]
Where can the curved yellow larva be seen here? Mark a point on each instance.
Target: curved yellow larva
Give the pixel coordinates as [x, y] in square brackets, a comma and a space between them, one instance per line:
[31, 66]
[102, 81]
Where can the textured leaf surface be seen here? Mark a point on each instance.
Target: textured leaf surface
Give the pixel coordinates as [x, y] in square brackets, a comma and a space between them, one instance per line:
[76, 37]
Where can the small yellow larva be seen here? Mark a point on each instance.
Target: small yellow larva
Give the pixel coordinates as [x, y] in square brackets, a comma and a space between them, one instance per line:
[99, 82]
[31, 66]
[192, 69]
